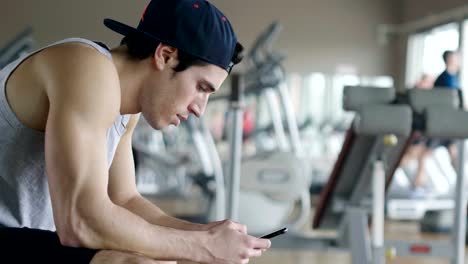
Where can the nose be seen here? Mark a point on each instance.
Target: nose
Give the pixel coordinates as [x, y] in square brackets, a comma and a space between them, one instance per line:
[203, 103]
[198, 107]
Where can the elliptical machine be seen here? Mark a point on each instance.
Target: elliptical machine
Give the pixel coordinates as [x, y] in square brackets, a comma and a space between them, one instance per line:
[272, 181]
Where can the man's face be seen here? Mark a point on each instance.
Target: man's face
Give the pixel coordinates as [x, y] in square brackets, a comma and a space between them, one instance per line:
[173, 96]
[453, 60]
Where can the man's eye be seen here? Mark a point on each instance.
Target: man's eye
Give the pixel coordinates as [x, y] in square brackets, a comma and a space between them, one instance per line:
[201, 88]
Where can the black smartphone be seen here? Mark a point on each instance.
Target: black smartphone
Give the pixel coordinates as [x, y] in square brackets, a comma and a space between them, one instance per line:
[275, 233]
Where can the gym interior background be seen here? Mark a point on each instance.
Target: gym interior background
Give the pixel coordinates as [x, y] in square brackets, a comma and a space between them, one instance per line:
[328, 44]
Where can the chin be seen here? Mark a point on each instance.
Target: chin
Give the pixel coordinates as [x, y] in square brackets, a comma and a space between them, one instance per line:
[154, 123]
[158, 126]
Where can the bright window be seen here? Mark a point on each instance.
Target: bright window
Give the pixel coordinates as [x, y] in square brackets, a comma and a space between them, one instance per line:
[425, 51]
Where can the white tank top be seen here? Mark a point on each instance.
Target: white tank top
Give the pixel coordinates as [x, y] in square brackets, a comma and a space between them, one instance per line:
[24, 192]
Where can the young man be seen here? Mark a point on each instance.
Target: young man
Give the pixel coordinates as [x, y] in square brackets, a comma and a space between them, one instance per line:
[449, 77]
[67, 113]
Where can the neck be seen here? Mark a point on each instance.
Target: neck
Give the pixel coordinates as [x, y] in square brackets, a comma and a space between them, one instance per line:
[452, 70]
[131, 75]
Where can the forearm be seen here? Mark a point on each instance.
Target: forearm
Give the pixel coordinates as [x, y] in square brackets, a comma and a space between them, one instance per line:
[154, 215]
[109, 226]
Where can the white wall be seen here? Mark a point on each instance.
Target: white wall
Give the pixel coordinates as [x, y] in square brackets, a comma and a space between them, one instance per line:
[52, 20]
[318, 35]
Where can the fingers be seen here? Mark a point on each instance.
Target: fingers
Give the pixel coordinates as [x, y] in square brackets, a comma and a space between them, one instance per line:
[260, 243]
[236, 226]
[255, 253]
[242, 228]
[251, 253]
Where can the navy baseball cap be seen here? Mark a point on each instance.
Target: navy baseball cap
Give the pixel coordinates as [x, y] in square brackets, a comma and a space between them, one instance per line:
[193, 26]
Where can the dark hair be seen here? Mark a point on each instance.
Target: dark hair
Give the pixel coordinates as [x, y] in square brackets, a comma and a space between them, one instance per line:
[141, 47]
[447, 54]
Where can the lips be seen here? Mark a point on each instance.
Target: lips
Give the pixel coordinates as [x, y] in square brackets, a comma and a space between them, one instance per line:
[184, 118]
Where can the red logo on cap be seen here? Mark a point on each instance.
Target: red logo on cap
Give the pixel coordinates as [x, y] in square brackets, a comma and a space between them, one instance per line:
[223, 18]
[144, 12]
[195, 5]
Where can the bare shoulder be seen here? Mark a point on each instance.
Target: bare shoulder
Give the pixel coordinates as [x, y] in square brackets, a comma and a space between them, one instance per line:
[78, 76]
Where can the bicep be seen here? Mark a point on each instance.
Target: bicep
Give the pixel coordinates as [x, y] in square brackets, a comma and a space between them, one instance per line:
[80, 111]
[75, 163]
[72, 148]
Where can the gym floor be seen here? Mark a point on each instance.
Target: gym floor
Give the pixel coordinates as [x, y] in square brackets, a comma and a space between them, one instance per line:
[393, 230]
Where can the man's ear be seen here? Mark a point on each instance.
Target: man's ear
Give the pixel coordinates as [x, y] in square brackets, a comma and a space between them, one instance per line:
[165, 56]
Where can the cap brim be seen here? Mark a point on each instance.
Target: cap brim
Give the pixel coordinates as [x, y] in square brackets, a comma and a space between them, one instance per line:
[126, 29]
[120, 27]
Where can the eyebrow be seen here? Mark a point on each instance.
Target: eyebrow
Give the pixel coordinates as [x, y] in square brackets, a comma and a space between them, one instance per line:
[210, 85]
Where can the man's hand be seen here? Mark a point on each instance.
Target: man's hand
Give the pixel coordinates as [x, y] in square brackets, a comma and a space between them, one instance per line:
[229, 243]
[240, 227]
